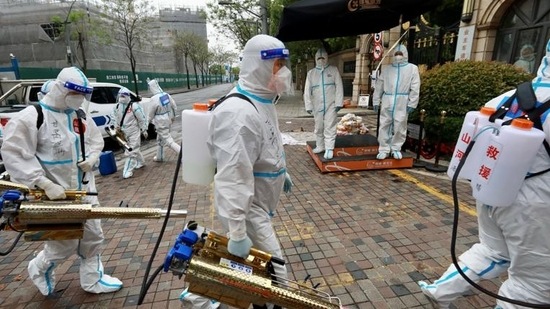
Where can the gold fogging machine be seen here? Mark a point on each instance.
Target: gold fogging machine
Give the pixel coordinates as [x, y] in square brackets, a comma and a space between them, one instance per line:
[118, 136]
[201, 256]
[213, 272]
[30, 212]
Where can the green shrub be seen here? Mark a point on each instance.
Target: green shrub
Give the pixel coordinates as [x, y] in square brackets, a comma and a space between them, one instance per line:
[459, 87]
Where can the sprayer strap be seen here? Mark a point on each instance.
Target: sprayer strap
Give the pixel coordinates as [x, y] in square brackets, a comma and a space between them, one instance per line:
[235, 94]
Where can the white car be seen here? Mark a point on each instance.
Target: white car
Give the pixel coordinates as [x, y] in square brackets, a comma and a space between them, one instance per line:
[100, 106]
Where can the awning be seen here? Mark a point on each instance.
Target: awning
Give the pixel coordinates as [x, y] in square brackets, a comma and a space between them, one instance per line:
[319, 19]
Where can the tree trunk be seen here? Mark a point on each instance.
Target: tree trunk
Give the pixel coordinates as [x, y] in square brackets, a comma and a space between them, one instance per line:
[196, 75]
[83, 53]
[133, 65]
[187, 71]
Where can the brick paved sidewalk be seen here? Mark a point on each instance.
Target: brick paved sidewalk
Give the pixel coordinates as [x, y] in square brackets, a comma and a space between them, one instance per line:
[366, 237]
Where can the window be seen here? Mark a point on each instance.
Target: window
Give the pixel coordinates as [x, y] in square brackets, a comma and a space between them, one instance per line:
[52, 30]
[349, 67]
[521, 39]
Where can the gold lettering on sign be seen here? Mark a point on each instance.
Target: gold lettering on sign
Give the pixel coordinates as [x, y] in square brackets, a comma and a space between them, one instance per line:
[354, 5]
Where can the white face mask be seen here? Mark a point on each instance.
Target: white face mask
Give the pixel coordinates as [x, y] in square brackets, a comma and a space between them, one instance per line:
[74, 100]
[124, 99]
[281, 82]
[398, 59]
[321, 63]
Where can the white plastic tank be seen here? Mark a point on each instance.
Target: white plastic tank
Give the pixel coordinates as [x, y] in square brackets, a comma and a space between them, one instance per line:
[507, 159]
[474, 122]
[198, 167]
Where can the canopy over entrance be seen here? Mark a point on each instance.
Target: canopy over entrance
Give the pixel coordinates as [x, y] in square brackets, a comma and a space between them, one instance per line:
[319, 19]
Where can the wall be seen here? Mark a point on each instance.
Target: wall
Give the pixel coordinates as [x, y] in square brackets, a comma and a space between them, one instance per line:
[124, 78]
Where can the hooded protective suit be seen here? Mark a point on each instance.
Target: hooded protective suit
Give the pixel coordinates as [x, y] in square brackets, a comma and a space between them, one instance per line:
[514, 237]
[526, 59]
[48, 158]
[162, 115]
[323, 97]
[46, 87]
[246, 143]
[135, 124]
[396, 92]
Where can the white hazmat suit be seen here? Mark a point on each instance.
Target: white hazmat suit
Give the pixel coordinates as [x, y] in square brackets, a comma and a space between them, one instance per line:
[246, 143]
[162, 114]
[135, 125]
[396, 93]
[323, 97]
[513, 238]
[526, 59]
[47, 158]
[46, 87]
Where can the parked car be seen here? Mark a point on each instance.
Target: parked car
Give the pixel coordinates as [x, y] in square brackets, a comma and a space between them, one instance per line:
[100, 106]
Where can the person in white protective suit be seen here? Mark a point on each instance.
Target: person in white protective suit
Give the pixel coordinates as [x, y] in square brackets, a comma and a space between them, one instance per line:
[324, 97]
[396, 94]
[162, 114]
[46, 87]
[50, 158]
[246, 143]
[526, 59]
[513, 238]
[134, 124]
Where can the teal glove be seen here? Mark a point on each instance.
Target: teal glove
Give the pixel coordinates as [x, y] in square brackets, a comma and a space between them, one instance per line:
[287, 187]
[376, 108]
[338, 108]
[410, 109]
[240, 248]
[309, 111]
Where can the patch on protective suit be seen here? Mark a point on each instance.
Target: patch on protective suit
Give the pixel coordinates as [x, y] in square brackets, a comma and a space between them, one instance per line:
[164, 99]
[76, 126]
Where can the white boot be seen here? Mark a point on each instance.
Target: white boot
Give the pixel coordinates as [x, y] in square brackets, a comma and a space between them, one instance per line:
[174, 146]
[41, 272]
[160, 154]
[396, 154]
[382, 155]
[318, 150]
[328, 154]
[92, 278]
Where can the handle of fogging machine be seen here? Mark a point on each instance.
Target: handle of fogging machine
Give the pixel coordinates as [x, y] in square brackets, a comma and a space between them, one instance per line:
[111, 131]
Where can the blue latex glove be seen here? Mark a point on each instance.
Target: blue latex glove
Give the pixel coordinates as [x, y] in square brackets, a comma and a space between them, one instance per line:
[410, 109]
[309, 111]
[338, 108]
[240, 248]
[376, 108]
[287, 187]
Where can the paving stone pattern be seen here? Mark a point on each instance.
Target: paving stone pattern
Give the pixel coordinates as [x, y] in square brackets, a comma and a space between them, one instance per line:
[366, 237]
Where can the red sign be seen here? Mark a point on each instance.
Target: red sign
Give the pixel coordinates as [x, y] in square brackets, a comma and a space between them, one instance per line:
[377, 51]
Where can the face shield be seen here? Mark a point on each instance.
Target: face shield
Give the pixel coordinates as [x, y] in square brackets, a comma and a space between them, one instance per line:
[281, 79]
[124, 96]
[77, 94]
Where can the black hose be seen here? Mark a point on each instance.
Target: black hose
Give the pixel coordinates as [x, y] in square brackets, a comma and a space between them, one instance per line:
[147, 282]
[10, 249]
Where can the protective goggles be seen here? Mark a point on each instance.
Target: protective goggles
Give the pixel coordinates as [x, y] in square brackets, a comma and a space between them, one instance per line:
[274, 53]
[78, 88]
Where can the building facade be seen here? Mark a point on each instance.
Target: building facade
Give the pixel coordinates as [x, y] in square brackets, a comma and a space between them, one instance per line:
[27, 31]
[511, 31]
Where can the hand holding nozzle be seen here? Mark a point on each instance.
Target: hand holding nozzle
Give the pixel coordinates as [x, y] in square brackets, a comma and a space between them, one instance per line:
[118, 136]
[40, 194]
